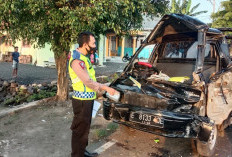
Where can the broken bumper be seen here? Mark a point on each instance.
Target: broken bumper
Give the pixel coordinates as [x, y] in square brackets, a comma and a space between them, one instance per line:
[164, 123]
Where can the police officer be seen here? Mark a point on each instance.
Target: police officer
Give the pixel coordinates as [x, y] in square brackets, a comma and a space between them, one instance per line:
[85, 87]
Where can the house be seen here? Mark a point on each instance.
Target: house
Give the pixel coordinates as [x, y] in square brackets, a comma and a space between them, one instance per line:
[29, 54]
[113, 45]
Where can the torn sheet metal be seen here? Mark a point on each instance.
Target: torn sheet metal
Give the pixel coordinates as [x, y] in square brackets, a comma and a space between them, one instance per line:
[220, 97]
[159, 93]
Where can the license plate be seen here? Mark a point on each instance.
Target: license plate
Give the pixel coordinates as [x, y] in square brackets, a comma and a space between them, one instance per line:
[147, 119]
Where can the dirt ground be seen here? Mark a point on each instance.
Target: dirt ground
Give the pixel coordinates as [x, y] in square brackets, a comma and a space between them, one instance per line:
[134, 143]
[42, 131]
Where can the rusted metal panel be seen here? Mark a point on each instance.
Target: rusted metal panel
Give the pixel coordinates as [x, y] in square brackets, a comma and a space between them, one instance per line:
[219, 102]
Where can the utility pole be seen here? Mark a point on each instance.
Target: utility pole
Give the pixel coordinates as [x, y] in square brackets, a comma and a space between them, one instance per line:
[213, 3]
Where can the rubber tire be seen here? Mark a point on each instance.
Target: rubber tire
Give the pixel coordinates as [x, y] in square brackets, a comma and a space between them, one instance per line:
[124, 59]
[207, 149]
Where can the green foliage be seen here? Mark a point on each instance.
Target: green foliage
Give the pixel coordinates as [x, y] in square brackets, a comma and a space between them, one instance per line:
[112, 126]
[32, 97]
[59, 22]
[22, 97]
[183, 7]
[103, 132]
[41, 95]
[8, 101]
[223, 18]
[18, 99]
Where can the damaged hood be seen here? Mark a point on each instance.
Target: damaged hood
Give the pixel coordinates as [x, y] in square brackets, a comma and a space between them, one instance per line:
[158, 93]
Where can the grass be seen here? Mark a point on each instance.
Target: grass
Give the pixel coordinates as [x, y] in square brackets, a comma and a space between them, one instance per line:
[101, 133]
[112, 126]
[109, 129]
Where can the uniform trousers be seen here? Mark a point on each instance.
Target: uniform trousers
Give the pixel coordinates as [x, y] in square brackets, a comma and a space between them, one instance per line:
[80, 127]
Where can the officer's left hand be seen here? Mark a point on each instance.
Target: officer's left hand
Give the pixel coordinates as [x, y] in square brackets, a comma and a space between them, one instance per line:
[111, 91]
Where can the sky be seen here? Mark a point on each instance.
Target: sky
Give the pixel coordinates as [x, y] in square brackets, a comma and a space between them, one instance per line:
[206, 5]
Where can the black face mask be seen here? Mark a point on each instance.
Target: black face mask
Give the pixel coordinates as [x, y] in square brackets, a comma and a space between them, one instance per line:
[91, 49]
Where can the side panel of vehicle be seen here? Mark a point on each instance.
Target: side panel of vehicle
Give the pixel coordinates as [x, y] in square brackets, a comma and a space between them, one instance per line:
[219, 102]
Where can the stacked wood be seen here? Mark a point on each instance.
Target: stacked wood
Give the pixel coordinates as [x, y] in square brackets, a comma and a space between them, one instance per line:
[6, 58]
[25, 59]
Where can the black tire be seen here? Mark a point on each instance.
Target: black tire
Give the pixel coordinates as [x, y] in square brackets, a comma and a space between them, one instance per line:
[124, 59]
[208, 148]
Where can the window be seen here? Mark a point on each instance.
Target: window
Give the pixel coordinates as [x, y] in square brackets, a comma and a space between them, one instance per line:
[184, 49]
[113, 43]
[145, 53]
[128, 42]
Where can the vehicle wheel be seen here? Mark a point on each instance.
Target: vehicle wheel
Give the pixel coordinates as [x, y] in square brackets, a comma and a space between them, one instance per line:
[124, 59]
[207, 148]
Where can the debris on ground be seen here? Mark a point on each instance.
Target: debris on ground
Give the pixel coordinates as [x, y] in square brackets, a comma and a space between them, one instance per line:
[156, 140]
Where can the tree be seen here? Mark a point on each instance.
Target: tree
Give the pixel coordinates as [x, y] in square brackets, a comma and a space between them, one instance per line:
[58, 23]
[223, 18]
[183, 7]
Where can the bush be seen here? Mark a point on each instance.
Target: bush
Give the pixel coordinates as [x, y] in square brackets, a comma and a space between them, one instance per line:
[41, 95]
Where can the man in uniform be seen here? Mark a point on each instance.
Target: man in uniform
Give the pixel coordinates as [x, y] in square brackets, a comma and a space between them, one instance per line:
[85, 87]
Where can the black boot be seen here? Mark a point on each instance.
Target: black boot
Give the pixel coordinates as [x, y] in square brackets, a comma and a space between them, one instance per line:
[88, 154]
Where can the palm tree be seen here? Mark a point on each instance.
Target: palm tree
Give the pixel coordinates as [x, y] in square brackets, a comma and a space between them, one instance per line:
[183, 7]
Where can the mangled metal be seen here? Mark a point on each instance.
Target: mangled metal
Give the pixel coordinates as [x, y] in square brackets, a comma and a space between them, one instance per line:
[220, 97]
[184, 89]
[201, 50]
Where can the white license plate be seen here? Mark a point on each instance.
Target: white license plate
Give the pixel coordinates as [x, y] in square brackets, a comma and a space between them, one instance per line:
[147, 119]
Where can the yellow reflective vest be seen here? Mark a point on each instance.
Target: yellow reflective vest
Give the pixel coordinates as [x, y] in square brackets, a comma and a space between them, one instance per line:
[80, 91]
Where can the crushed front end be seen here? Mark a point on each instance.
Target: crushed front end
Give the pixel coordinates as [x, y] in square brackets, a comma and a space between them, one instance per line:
[159, 107]
[166, 93]
[165, 123]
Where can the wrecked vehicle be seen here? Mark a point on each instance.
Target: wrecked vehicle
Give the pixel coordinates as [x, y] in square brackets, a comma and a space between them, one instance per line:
[183, 89]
